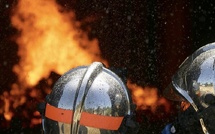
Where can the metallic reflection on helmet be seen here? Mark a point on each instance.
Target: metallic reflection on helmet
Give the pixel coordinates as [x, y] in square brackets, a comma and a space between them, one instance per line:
[89, 100]
[196, 75]
[195, 82]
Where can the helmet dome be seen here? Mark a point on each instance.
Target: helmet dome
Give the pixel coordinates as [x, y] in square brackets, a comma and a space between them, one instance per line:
[87, 99]
[195, 83]
[195, 77]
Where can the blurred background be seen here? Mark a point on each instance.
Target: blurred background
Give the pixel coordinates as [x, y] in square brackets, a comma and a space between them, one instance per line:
[42, 39]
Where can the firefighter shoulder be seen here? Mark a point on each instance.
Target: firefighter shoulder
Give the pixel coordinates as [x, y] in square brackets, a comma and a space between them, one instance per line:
[88, 100]
[194, 82]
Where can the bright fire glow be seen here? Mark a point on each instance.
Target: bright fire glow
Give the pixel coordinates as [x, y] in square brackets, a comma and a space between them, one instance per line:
[50, 39]
[147, 98]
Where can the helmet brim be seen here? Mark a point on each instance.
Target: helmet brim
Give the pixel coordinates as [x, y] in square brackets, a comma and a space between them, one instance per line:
[171, 93]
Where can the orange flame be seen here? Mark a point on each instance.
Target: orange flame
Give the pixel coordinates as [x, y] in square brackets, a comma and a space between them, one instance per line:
[147, 98]
[50, 40]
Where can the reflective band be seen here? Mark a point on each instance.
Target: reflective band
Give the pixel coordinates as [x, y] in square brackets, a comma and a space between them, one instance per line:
[100, 121]
[57, 114]
[87, 119]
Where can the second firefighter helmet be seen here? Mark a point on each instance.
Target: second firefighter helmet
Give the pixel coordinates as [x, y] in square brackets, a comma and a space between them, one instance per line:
[195, 78]
[194, 82]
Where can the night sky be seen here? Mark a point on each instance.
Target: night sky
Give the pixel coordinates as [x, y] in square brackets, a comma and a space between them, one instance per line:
[148, 37]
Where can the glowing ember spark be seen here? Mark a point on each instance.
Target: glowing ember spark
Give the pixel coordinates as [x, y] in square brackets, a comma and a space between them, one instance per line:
[144, 98]
[50, 40]
[147, 98]
[7, 114]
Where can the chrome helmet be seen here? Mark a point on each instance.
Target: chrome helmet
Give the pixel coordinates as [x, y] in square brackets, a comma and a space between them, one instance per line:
[87, 100]
[195, 80]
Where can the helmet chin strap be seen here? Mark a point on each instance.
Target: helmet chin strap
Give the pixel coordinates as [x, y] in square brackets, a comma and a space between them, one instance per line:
[189, 99]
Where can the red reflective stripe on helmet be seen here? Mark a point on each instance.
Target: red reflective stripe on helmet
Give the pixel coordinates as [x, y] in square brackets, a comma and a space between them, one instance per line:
[58, 114]
[87, 119]
[100, 121]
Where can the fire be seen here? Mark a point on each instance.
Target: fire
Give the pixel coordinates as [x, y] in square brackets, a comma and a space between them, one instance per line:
[50, 40]
[7, 114]
[147, 98]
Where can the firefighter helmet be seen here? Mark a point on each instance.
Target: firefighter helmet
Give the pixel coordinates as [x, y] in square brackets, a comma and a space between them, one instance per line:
[195, 82]
[87, 100]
